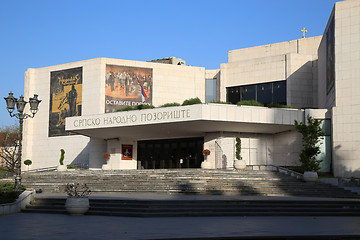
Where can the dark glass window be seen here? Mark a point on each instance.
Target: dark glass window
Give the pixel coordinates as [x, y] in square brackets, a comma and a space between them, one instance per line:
[264, 93]
[279, 92]
[248, 92]
[233, 94]
[273, 92]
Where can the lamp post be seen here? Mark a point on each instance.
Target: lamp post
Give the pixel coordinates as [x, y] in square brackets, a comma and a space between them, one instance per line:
[20, 103]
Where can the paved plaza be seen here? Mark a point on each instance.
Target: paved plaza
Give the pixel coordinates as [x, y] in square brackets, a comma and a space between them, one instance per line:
[58, 226]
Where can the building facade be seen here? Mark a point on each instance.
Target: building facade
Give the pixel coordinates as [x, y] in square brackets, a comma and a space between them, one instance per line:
[318, 76]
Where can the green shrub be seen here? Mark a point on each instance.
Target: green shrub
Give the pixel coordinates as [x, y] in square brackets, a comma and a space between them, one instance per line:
[250, 103]
[8, 194]
[238, 149]
[278, 105]
[191, 101]
[311, 133]
[144, 106]
[138, 107]
[27, 162]
[71, 166]
[62, 156]
[170, 104]
[220, 102]
[125, 109]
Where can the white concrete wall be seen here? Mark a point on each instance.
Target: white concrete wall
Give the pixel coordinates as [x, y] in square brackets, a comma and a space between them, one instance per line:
[97, 147]
[280, 149]
[45, 151]
[346, 113]
[294, 61]
[171, 83]
[300, 80]
[301, 46]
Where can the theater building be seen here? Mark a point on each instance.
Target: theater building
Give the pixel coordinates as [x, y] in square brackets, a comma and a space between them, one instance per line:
[319, 76]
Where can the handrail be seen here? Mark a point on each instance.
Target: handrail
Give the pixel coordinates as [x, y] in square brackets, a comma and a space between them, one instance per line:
[40, 169]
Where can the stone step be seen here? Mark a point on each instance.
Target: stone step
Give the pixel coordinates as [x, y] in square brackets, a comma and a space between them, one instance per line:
[189, 181]
[175, 208]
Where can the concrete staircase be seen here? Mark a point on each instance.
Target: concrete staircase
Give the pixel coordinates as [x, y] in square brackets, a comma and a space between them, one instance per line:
[185, 181]
[244, 193]
[197, 208]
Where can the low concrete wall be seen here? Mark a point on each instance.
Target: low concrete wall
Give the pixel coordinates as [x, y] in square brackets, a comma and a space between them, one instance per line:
[15, 207]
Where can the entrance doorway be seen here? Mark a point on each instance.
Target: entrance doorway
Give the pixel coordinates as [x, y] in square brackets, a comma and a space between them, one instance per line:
[170, 153]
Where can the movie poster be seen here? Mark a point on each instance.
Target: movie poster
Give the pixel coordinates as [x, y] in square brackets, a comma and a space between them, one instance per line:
[127, 152]
[65, 98]
[330, 56]
[127, 86]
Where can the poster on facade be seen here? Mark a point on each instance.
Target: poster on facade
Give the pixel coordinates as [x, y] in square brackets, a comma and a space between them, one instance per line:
[65, 98]
[127, 151]
[127, 86]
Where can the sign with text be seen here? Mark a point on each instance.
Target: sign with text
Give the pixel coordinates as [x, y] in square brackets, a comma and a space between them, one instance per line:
[130, 118]
[65, 98]
[127, 86]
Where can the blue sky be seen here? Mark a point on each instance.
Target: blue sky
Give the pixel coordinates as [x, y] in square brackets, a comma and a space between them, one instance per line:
[40, 33]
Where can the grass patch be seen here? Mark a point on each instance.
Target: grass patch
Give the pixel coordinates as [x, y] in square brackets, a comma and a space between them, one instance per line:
[8, 194]
[250, 103]
[220, 102]
[170, 105]
[71, 166]
[278, 105]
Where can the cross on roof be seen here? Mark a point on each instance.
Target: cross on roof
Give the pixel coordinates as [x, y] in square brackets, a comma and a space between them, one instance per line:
[304, 31]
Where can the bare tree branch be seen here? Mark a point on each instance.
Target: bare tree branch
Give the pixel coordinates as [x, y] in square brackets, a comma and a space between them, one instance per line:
[9, 143]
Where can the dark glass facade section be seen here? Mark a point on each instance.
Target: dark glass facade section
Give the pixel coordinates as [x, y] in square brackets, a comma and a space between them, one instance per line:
[233, 94]
[170, 153]
[247, 92]
[279, 92]
[273, 92]
[264, 93]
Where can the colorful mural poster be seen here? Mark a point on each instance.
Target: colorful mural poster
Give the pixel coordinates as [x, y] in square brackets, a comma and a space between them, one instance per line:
[127, 152]
[65, 98]
[127, 86]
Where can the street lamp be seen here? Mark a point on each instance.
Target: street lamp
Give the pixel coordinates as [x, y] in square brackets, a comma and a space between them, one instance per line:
[20, 103]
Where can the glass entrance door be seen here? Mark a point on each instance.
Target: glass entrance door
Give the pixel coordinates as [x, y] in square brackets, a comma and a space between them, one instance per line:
[170, 153]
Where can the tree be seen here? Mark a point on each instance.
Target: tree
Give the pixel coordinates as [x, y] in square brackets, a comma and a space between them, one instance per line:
[311, 135]
[9, 145]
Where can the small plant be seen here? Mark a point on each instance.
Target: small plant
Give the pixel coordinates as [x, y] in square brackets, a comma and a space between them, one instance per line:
[77, 190]
[71, 166]
[138, 107]
[125, 109]
[250, 103]
[106, 156]
[191, 101]
[206, 152]
[62, 156]
[170, 104]
[27, 162]
[311, 133]
[220, 102]
[277, 105]
[238, 149]
[144, 106]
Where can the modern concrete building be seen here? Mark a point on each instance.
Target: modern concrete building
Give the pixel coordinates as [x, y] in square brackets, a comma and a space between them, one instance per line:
[319, 76]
